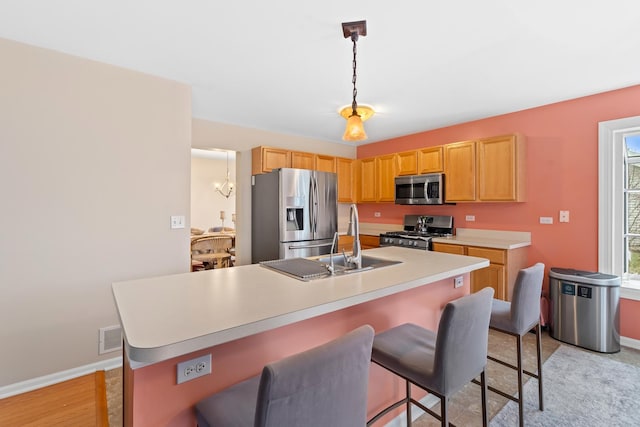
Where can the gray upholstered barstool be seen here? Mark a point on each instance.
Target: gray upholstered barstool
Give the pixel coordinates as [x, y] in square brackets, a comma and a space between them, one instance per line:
[439, 363]
[324, 386]
[517, 318]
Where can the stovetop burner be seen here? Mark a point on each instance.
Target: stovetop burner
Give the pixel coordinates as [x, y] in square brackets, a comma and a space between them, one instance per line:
[418, 231]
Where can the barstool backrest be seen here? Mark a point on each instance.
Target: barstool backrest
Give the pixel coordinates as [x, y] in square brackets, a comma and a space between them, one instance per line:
[324, 386]
[461, 343]
[525, 304]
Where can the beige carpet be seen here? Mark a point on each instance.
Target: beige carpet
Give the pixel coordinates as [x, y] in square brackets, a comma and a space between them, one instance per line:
[465, 406]
[113, 382]
[581, 389]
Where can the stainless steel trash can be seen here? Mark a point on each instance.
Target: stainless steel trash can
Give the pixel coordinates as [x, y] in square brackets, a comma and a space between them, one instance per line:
[585, 309]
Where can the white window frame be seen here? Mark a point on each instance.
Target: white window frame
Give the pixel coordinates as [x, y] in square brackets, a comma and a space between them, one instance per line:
[611, 201]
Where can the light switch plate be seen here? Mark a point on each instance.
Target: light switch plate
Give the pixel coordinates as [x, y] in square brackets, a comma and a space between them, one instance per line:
[177, 221]
[564, 216]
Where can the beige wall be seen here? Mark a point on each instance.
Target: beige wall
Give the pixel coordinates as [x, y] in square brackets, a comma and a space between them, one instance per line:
[94, 160]
[207, 134]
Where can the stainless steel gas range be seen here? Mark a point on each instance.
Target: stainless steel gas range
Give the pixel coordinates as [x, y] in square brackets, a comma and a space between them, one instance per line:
[418, 230]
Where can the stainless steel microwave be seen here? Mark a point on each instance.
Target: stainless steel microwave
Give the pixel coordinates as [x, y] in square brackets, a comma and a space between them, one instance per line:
[420, 189]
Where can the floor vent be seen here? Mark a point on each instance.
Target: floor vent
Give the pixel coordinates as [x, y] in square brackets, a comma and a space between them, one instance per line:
[110, 339]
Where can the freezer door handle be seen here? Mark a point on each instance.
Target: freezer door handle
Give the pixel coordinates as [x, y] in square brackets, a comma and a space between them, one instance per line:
[318, 245]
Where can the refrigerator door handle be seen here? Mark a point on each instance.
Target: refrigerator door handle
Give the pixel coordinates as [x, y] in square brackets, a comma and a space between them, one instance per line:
[312, 203]
[318, 245]
[315, 206]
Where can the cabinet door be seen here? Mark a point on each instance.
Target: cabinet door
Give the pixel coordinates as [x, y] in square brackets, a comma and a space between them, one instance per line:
[460, 171]
[303, 160]
[325, 163]
[407, 163]
[345, 243]
[386, 173]
[265, 159]
[492, 276]
[450, 249]
[368, 241]
[500, 175]
[430, 160]
[345, 171]
[367, 174]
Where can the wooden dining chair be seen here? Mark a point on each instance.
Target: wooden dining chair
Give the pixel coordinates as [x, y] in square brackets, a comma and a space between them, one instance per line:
[212, 251]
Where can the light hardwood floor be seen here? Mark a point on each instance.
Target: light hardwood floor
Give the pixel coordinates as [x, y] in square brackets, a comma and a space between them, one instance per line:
[77, 402]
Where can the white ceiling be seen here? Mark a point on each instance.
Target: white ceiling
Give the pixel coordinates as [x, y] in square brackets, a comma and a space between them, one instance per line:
[284, 66]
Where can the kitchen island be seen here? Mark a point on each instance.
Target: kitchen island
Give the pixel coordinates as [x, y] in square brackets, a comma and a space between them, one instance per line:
[248, 316]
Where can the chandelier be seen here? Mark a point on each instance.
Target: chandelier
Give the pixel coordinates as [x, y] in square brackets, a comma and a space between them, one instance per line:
[227, 186]
[355, 114]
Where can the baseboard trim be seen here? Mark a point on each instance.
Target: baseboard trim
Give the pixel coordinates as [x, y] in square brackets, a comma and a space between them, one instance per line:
[630, 342]
[401, 420]
[58, 377]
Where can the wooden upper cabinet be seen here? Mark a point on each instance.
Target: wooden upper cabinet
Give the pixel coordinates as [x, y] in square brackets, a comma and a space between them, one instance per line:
[265, 159]
[460, 171]
[407, 163]
[501, 169]
[302, 160]
[345, 168]
[325, 163]
[367, 185]
[430, 160]
[386, 174]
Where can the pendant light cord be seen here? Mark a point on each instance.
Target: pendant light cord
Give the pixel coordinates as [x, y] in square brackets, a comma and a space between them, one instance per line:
[354, 104]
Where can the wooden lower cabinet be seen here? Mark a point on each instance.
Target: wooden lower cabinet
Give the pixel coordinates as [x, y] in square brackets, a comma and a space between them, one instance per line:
[500, 274]
[367, 241]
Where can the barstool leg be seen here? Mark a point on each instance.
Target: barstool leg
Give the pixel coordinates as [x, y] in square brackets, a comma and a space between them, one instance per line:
[520, 397]
[539, 351]
[408, 403]
[443, 411]
[485, 412]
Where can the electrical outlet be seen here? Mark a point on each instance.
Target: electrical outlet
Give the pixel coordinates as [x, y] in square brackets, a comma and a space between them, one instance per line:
[546, 220]
[564, 216]
[376, 214]
[470, 218]
[194, 368]
[458, 282]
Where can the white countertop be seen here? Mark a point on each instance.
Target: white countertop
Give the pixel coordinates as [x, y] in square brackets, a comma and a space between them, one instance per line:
[165, 317]
[488, 238]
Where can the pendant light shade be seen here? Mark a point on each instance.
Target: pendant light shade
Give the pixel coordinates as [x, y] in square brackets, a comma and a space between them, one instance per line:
[355, 129]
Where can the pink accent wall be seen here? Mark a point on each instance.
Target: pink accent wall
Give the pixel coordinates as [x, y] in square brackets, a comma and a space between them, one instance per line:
[154, 399]
[562, 174]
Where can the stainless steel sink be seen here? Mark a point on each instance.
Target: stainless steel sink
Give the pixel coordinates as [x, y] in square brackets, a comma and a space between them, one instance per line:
[310, 269]
[368, 263]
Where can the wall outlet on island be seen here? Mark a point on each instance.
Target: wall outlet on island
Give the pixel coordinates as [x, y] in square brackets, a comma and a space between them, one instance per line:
[377, 214]
[458, 282]
[470, 218]
[193, 368]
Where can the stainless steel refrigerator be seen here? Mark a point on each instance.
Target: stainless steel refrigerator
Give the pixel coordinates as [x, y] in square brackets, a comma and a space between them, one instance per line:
[294, 214]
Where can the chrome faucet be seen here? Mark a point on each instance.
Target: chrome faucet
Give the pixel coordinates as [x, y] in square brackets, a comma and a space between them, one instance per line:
[354, 230]
[331, 266]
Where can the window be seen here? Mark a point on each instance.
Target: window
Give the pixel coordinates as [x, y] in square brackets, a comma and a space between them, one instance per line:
[619, 202]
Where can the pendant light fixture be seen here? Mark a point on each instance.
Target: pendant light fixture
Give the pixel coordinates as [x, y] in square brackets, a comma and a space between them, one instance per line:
[354, 113]
[227, 186]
